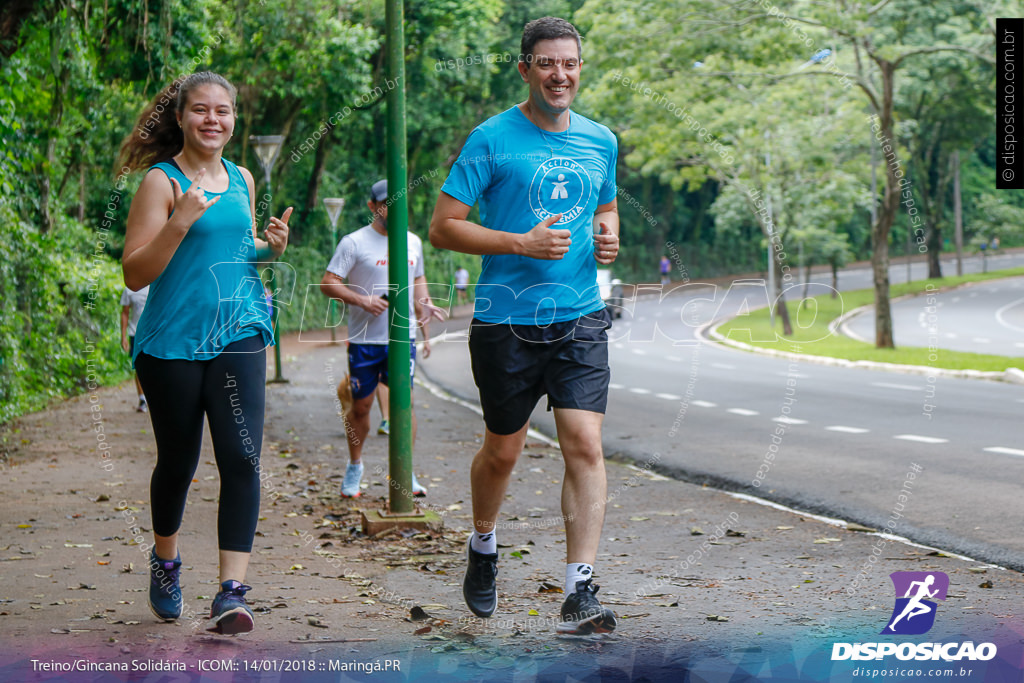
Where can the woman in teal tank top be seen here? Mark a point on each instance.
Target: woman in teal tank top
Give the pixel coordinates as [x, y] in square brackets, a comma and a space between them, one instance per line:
[200, 345]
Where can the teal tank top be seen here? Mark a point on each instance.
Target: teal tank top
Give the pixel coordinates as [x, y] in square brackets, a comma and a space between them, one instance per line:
[210, 294]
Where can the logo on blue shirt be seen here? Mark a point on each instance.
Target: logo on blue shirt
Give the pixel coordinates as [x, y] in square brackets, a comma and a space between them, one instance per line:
[562, 186]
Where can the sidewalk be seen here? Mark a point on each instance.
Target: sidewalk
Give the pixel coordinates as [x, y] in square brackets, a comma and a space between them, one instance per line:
[701, 580]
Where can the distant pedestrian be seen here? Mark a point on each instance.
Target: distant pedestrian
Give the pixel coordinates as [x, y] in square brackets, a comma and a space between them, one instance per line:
[543, 176]
[666, 267]
[358, 276]
[461, 284]
[132, 305]
[200, 346]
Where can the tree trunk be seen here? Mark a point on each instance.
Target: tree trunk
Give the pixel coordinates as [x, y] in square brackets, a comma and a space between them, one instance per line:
[886, 216]
[313, 186]
[780, 298]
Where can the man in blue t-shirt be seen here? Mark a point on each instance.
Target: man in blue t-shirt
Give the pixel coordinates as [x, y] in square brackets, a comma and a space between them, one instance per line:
[544, 178]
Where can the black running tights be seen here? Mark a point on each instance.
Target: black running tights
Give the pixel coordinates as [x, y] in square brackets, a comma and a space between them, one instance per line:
[230, 390]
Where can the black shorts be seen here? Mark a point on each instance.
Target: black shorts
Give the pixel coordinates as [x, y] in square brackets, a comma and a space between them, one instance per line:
[514, 365]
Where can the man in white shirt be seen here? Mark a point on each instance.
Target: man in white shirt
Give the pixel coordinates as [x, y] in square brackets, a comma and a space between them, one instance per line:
[358, 276]
[132, 305]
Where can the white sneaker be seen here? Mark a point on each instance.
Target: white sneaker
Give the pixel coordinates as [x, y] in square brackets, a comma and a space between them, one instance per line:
[350, 484]
[417, 489]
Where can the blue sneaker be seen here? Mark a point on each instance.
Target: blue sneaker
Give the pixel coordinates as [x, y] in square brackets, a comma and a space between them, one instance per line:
[350, 485]
[164, 589]
[229, 612]
[385, 428]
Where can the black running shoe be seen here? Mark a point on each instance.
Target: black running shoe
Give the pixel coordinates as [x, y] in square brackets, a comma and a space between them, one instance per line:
[478, 587]
[583, 614]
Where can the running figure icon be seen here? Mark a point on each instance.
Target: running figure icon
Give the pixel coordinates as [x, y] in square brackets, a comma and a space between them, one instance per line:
[915, 607]
[560, 192]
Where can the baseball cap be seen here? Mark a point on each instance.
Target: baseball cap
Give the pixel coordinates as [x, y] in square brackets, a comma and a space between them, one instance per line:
[379, 191]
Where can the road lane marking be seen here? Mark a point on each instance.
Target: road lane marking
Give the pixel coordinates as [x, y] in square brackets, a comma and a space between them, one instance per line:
[675, 359]
[982, 340]
[640, 352]
[669, 397]
[789, 420]
[709, 404]
[723, 366]
[640, 390]
[847, 430]
[1002, 311]
[920, 439]
[1005, 451]
[742, 411]
[612, 385]
[889, 385]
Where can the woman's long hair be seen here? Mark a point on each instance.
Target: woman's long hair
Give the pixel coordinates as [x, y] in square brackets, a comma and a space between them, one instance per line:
[157, 135]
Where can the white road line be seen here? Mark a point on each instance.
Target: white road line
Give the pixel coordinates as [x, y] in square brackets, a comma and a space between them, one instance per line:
[612, 385]
[949, 335]
[677, 359]
[1017, 344]
[920, 439]
[709, 404]
[622, 346]
[742, 411]
[847, 430]
[641, 352]
[789, 420]
[889, 385]
[796, 375]
[639, 390]
[981, 340]
[669, 397]
[1002, 321]
[723, 366]
[1005, 451]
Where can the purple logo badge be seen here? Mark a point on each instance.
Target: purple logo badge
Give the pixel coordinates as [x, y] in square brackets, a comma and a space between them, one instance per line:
[914, 612]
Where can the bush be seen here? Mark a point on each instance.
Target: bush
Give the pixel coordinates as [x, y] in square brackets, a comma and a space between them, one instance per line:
[59, 314]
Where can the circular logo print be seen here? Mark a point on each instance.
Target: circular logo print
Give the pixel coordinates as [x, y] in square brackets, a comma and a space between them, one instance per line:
[560, 186]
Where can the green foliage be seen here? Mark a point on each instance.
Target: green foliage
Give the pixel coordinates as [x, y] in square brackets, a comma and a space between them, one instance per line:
[59, 314]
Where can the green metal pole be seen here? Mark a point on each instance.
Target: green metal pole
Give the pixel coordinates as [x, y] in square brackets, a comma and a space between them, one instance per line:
[400, 440]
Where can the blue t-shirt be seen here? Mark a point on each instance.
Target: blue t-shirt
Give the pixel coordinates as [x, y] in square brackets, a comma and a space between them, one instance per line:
[210, 293]
[522, 175]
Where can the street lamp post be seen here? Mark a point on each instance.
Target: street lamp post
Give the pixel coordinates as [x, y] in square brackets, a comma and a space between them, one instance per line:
[267, 148]
[334, 205]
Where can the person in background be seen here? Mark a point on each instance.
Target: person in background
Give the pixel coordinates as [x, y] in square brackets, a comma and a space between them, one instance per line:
[461, 285]
[357, 275]
[132, 305]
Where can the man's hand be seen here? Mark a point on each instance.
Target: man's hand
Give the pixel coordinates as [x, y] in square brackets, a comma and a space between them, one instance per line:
[374, 305]
[606, 245]
[543, 242]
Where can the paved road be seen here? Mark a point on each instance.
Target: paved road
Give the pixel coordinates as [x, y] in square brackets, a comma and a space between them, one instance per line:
[987, 317]
[837, 441]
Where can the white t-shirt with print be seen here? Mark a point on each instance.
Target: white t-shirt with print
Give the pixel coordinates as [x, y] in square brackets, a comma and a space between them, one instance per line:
[361, 259]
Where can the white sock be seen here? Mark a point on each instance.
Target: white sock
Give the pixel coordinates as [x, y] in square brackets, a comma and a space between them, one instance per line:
[576, 571]
[484, 543]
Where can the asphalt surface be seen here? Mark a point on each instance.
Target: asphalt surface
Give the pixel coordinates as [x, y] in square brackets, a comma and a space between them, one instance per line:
[832, 440]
